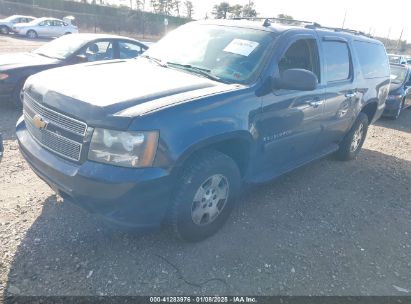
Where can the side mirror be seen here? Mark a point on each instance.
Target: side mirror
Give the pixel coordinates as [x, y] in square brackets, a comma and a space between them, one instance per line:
[80, 59]
[297, 79]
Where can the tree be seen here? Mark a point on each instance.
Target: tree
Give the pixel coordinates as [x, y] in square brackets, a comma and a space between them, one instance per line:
[164, 7]
[189, 9]
[177, 7]
[288, 19]
[236, 11]
[221, 10]
[249, 10]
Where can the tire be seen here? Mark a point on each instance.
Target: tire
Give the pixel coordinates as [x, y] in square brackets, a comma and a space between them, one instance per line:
[205, 196]
[17, 97]
[4, 30]
[31, 34]
[353, 141]
[398, 113]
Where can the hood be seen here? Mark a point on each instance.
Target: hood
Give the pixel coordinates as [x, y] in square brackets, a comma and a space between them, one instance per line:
[18, 60]
[96, 92]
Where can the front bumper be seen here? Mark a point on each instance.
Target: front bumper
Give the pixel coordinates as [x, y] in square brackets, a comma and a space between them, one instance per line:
[129, 197]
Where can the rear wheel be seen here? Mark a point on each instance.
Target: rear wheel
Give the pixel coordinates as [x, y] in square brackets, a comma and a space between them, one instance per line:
[353, 141]
[32, 34]
[205, 196]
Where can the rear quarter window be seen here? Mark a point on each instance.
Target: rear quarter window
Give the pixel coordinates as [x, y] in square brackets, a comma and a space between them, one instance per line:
[373, 59]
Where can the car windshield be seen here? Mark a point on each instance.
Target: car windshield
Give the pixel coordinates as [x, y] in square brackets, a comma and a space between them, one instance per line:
[398, 74]
[62, 47]
[228, 54]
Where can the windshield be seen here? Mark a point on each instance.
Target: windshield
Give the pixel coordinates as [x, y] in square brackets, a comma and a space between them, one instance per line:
[63, 47]
[229, 54]
[11, 18]
[398, 74]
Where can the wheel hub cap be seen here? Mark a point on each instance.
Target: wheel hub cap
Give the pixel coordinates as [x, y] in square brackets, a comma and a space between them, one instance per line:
[210, 199]
[356, 140]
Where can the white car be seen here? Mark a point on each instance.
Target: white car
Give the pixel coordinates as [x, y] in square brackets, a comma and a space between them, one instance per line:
[45, 27]
[397, 59]
[7, 24]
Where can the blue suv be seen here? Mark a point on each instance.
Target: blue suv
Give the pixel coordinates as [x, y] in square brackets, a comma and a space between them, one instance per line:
[171, 137]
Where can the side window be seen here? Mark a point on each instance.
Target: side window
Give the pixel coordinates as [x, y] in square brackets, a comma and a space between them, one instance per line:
[373, 59]
[337, 60]
[57, 23]
[302, 54]
[129, 50]
[102, 50]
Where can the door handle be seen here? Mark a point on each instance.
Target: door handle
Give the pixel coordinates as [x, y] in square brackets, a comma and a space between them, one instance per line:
[315, 103]
[351, 95]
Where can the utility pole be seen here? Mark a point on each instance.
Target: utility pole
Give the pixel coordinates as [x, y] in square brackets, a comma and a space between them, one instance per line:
[345, 16]
[388, 38]
[399, 40]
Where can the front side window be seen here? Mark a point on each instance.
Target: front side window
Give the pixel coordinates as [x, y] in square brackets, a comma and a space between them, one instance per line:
[302, 54]
[231, 54]
[102, 50]
[337, 60]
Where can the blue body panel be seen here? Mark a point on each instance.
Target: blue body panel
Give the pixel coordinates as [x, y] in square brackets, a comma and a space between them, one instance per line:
[275, 130]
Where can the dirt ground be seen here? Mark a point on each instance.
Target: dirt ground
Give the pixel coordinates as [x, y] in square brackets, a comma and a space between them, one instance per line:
[329, 228]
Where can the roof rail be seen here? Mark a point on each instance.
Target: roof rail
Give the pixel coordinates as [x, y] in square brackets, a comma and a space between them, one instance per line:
[267, 21]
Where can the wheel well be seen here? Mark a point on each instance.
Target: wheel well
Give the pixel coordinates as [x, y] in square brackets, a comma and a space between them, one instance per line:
[238, 149]
[370, 110]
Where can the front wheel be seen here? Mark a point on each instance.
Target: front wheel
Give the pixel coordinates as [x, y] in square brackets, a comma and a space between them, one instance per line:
[32, 34]
[399, 110]
[205, 196]
[4, 30]
[353, 141]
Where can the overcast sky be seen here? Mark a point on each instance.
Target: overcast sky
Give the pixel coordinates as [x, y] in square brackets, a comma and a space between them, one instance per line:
[379, 16]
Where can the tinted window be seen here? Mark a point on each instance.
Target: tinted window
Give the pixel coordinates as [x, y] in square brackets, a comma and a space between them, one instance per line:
[337, 59]
[373, 59]
[129, 50]
[302, 54]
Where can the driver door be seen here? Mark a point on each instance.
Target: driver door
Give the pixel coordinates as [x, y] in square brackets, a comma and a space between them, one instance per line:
[291, 120]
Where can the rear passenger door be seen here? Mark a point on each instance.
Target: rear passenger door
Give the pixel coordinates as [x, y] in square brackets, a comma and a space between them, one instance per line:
[341, 91]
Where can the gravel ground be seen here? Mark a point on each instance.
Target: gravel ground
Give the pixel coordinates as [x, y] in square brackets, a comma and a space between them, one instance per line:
[329, 228]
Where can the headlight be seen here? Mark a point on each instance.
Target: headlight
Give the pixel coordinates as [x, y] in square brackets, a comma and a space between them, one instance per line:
[125, 149]
[394, 97]
[3, 76]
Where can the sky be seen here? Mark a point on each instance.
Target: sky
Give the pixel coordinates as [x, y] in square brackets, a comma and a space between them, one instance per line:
[378, 17]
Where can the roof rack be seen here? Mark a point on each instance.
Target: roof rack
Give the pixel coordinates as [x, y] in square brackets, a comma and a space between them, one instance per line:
[267, 21]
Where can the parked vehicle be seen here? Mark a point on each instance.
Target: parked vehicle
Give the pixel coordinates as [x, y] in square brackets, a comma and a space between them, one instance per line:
[172, 136]
[399, 96]
[1, 147]
[408, 60]
[66, 50]
[397, 59]
[44, 27]
[7, 24]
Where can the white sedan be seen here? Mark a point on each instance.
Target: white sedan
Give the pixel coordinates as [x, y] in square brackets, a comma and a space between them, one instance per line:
[45, 27]
[7, 24]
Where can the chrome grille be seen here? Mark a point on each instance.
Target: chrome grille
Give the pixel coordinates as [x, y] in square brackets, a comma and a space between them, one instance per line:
[50, 137]
[67, 123]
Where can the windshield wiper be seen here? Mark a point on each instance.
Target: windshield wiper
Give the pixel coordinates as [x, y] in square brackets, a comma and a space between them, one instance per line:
[156, 60]
[198, 70]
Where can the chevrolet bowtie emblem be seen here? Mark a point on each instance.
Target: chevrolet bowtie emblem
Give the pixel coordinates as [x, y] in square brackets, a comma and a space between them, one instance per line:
[39, 122]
